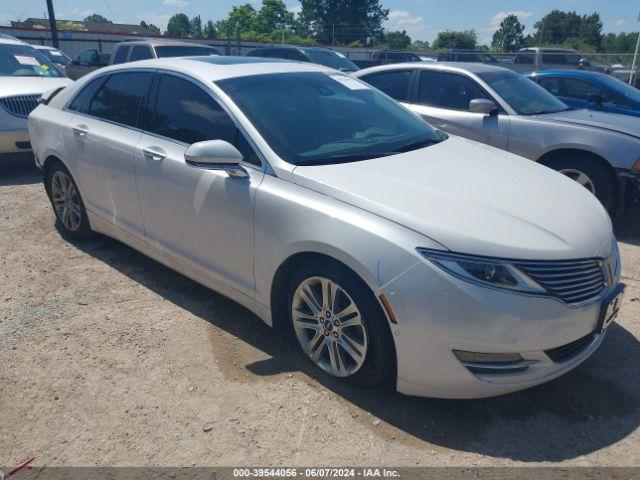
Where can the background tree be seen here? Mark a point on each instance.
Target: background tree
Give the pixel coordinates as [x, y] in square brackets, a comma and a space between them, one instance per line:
[196, 26]
[466, 40]
[271, 16]
[210, 30]
[343, 21]
[399, 39]
[591, 30]
[95, 18]
[420, 45]
[241, 16]
[556, 26]
[150, 26]
[509, 37]
[179, 25]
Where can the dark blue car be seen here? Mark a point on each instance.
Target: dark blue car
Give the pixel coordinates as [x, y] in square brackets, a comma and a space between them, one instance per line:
[592, 90]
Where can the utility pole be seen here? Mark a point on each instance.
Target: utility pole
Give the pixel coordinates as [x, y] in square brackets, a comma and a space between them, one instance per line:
[52, 24]
[333, 34]
[634, 66]
[281, 27]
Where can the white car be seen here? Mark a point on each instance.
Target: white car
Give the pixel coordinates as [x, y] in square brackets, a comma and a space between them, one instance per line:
[25, 74]
[393, 251]
[58, 57]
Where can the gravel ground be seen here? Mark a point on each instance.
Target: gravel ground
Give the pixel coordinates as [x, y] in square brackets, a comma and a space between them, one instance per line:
[108, 358]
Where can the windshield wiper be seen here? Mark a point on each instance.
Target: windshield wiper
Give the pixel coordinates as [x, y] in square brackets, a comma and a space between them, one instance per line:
[345, 158]
[415, 145]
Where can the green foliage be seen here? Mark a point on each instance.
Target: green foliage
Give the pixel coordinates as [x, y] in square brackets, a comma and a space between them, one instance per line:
[419, 45]
[196, 26]
[509, 36]
[210, 30]
[150, 26]
[398, 40]
[466, 40]
[620, 43]
[342, 21]
[272, 16]
[95, 18]
[73, 26]
[558, 27]
[179, 25]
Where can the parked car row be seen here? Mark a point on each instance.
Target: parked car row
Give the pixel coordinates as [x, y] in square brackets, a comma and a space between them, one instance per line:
[501, 108]
[393, 251]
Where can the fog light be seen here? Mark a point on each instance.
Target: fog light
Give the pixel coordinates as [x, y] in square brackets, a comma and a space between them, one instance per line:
[493, 363]
[475, 357]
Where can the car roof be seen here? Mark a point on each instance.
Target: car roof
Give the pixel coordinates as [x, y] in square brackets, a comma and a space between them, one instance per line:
[214, 67]
[572, 73]
[43, 47]
[163, 43]
[470, 67]
[546, 49]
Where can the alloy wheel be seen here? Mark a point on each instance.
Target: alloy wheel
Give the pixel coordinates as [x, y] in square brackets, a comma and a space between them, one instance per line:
[580, 177]
[66, 200]
[329, 326]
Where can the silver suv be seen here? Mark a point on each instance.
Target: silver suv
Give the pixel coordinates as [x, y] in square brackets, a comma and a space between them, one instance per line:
[146, 49]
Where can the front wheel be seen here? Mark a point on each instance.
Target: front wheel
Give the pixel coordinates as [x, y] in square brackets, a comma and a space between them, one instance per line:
[339, 325]
[592, 175]
[66, 202]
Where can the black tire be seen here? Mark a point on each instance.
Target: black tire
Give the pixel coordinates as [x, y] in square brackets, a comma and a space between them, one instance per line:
[83, 228]
[380, 359]
[604, 183]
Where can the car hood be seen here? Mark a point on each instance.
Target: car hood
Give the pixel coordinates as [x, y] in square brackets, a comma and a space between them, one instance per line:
[473, 199]
[590, 118]
[29, 85]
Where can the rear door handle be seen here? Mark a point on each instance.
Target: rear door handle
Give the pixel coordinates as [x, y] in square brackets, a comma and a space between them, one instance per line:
[81, 130]
[154, 153]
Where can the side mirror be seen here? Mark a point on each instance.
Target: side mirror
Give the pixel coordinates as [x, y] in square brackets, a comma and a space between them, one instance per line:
[594, 99]
[216, 155]
[584, 62]
[483, 105]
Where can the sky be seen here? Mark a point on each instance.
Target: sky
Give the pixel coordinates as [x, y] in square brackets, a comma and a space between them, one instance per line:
[422, 19]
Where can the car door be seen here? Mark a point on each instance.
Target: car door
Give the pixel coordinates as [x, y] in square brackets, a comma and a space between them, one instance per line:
[202, 217]
[443, 100]
[104, 139]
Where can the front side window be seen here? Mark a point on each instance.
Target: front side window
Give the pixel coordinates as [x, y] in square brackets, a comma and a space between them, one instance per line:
[394, 83]
[447, 90]
[119, 98]
[18, 60]
[578, 89]
[186, 113]
[121, 54]
[314, 118]
[526, 57]
[88, 57]
[552, 85]
[523, 95]
[140, 52]
[83, 99]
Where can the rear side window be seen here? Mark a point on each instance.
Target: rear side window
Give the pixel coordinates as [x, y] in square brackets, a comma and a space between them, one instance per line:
[447, 90]
[578, 89]
[552, 84]
[140, 52]
[82, 100]
[185, 112]
[527, 57]
[121, 54]
[394, 83]
[119, 98]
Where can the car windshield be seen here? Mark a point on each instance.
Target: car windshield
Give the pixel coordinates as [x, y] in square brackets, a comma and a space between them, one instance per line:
[332, 59]
[184, 51]
[25, 61]
[314, 118]
[621, 88]
[524, 96]
[57, 56]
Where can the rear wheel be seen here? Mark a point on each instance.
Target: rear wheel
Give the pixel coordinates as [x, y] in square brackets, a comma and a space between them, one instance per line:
[66, 202]
[591, 174]
[339, 325]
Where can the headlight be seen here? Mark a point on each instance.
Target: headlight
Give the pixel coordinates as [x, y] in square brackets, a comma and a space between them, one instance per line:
[484, 271]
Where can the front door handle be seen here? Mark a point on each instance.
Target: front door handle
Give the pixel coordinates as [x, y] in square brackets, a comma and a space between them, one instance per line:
[154, 153]
[81, 130]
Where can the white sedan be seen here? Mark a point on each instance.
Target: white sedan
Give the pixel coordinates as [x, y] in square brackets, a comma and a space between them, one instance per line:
[394, 251]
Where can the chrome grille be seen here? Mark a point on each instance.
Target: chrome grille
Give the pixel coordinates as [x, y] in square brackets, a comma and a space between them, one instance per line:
[572, 281]
[20, 105]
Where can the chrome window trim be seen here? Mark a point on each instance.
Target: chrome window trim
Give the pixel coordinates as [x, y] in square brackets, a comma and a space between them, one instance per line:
[263, 167]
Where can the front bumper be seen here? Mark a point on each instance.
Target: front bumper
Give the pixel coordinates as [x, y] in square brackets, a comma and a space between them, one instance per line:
[438, 314]
[14, 140]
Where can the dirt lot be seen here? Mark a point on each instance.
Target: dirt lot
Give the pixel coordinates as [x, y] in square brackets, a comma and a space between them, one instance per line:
[108, 358]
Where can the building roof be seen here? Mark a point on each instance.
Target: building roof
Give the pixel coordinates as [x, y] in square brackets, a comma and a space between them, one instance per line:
[81, 25]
